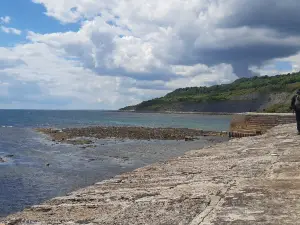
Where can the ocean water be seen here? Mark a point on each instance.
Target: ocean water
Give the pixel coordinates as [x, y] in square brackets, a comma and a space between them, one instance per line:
[39, 118]
[37, 169]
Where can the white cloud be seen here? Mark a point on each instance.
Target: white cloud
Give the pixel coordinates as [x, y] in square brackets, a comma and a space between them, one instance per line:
[294, 60]
[291, 65]
[158, 34]
[10, 30]
[57, 78]
[5, 19]
[200, 75]
[126, 51]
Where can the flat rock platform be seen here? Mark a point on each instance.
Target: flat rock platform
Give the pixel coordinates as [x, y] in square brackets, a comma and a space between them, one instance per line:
[252, 180]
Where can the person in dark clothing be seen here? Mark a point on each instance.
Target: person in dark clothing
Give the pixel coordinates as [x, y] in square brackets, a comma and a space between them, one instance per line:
[296, 109]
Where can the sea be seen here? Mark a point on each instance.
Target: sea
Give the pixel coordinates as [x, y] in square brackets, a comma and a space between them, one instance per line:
[37, 169]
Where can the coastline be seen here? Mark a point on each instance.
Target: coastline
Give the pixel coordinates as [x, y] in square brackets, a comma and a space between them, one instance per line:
[41, 169]
[84, 138]
[243, 181]
[180, 112]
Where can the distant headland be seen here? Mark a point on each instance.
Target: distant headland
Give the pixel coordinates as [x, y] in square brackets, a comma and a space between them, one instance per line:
[270, 94]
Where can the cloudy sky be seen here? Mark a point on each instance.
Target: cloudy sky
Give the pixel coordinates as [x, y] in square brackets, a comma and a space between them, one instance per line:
[106, 54]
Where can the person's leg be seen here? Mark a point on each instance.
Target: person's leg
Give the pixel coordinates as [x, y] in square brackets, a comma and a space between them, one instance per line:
[298, 120]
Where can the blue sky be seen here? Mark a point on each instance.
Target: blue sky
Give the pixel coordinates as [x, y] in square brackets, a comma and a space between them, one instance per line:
[28, 16]
[283, 66]
[106, 54]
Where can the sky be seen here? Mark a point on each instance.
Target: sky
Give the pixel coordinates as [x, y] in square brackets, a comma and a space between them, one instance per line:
[107, 54]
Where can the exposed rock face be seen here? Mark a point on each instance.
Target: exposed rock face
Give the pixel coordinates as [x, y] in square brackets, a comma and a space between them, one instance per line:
[229, 106]
[246, 181]
[243, 103]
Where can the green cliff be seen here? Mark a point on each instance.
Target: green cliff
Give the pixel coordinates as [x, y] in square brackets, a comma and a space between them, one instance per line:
[266, 93]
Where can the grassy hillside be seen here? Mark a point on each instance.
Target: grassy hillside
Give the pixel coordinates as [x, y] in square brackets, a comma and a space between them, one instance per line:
[243, 89]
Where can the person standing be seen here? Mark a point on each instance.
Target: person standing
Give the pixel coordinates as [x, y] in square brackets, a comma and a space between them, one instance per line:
[295, 106]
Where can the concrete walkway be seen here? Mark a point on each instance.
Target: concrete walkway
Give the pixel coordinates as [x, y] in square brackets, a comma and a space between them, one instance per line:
[253, 180]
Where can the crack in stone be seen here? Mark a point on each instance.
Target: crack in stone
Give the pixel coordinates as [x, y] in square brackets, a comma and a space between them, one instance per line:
[212, 204]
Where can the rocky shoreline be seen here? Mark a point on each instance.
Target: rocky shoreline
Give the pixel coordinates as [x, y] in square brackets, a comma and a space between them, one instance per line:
[68, 135]
[57, 168]
[6, 158]
[253, 180]
[2, 160]
[182, 112]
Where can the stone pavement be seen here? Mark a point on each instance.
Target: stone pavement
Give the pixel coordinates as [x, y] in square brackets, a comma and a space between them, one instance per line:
[253, 180]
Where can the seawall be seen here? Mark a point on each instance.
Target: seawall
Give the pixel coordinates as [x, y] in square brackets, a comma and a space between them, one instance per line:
[251, 124]
[252, 180]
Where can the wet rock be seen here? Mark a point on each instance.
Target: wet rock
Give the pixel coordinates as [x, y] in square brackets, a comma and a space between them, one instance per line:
[48, 164]
[57, 131]
[91, 146]
[80, 142]
[2, 160]
[188, 138]
[137, 133]
[10, 156]
[12, 222]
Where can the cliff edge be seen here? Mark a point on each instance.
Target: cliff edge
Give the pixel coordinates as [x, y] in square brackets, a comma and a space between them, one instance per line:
[255, 94]
[253, 180]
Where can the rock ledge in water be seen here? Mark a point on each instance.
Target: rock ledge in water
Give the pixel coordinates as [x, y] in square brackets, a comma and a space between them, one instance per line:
[138, 133]
[2, 160]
